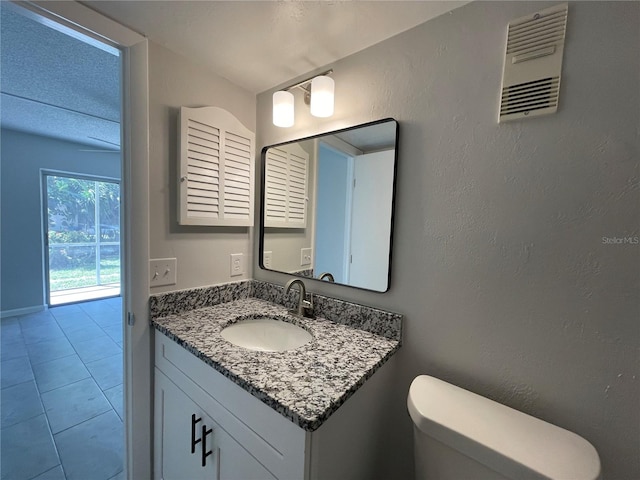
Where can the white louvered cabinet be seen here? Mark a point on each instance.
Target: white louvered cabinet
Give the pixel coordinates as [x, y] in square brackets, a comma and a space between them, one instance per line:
[286, 177]
[216, 173]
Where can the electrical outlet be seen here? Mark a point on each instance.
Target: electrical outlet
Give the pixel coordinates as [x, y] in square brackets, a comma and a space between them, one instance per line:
[266, 259]
[162, 272]
[305, 256]
[237, 264]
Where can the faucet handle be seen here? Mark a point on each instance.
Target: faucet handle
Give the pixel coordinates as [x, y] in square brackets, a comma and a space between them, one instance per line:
[307, 307]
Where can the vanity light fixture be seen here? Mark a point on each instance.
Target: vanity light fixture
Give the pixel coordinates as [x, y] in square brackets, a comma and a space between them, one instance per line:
[283, 109]
[322, 88]
[318, 93]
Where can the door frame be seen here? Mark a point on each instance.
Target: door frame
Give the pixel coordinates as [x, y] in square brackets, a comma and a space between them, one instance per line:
[134, 239]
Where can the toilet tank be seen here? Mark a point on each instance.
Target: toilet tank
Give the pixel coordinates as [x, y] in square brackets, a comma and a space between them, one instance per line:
[458, 430]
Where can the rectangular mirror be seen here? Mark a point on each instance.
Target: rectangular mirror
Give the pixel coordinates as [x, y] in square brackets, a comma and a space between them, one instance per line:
[327, 206]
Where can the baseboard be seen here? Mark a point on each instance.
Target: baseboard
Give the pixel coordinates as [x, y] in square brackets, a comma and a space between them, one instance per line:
[22, 311]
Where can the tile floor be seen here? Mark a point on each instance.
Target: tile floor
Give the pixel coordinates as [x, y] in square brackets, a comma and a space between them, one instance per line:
[61, 399]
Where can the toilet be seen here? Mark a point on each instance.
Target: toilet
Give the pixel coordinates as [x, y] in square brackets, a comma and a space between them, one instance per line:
[459, 435]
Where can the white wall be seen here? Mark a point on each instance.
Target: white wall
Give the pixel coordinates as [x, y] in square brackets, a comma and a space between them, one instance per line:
[22, 157]
[202, 252]
[499, 264]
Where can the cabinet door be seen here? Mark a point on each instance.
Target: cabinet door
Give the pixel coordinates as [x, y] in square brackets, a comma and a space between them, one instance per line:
[286, 178]
[235, 462]
[216, 168]
[227, 459]
[173, 435]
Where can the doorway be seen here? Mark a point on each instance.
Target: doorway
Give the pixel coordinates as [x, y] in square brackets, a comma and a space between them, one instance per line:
[62, 367]
[74, 17]
[82, 238]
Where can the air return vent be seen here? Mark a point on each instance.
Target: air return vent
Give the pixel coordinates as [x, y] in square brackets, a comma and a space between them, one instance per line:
[533, 64]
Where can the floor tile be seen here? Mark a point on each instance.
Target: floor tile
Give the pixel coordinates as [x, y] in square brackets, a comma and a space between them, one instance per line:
[10, 330]
[72, 404]
[19, 403]
[63, 310]
[42, 333]
[120, 476]
[49, 350]
[17, 370]
[6, 321]
[107, 319]
[114, 331]
[107, 372]
[61, 313]
[95, 307]
[114, 302]
[27, 449]
[94, 449]
[75, 322]
[115, 396]
[85, 333]
[59, 372]
[13, 349]
[55, 473]
[36, 319]
[97, 348]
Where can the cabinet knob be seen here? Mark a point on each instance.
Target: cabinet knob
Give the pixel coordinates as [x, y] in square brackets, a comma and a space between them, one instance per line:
[205, 453]
[183, 178]
[194, 421]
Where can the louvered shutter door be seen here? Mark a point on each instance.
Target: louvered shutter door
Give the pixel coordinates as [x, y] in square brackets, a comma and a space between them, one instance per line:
[275, 188]
[216, 169]
[238, 177]
[297, 190]
[286, 173]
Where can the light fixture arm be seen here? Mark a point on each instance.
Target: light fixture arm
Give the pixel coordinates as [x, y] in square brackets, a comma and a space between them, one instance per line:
[318, 95]
[305, 84]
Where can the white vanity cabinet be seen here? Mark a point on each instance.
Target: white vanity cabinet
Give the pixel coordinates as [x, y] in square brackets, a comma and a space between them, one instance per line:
[193, 446]
[249, 440]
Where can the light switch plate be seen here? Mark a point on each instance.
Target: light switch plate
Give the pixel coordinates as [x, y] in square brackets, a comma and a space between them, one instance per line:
[305, 256]
[237, 264]
[266, 259]
[162, 271]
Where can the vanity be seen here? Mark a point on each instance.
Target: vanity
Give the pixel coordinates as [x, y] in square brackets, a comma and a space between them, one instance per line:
[313, 408]
[227, 412]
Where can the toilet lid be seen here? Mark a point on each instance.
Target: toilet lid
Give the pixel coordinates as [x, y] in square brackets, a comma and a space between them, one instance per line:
[506, 440]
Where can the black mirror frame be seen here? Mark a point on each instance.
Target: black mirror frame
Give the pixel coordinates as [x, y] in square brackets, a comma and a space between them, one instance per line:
[393, 198]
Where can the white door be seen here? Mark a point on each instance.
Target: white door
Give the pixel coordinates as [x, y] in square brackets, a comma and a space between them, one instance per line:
[371, 220]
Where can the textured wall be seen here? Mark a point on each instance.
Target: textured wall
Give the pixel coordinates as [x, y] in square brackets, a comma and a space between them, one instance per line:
[23, 155]
[500, 267]
[202, 252]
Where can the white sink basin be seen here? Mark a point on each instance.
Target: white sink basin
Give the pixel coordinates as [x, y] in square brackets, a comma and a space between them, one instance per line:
[266, 334]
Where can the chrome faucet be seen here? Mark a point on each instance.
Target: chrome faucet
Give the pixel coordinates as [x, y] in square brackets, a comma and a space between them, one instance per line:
[328, 276]
[305, 307]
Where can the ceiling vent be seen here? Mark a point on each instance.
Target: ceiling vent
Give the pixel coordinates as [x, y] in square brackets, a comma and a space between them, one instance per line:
[533, 64]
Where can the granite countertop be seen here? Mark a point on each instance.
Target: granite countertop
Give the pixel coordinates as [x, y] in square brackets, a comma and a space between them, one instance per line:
[305, 385]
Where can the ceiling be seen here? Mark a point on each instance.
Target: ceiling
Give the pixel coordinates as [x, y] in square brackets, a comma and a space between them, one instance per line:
[55, 85]
[262, 44]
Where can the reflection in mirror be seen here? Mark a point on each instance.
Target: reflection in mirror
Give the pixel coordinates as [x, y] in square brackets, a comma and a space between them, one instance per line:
[327, 206]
